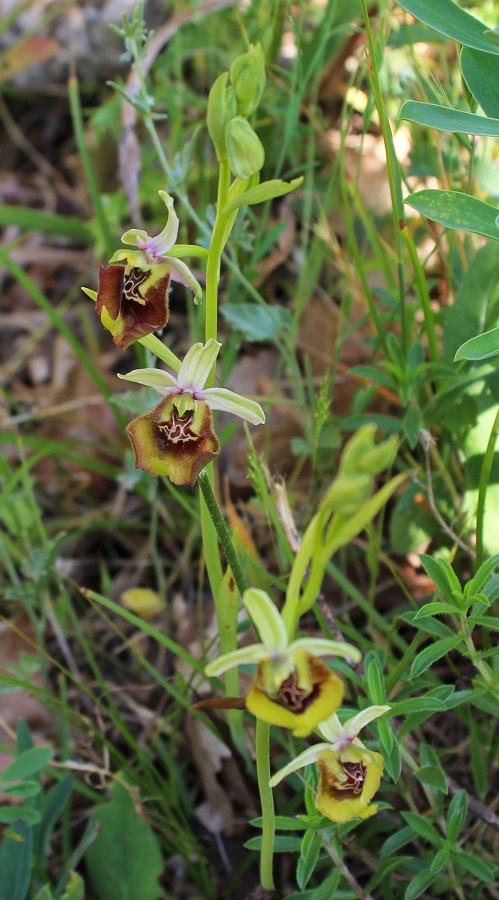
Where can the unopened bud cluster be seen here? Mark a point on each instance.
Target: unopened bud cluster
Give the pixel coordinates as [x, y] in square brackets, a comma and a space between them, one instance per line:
[230, 105]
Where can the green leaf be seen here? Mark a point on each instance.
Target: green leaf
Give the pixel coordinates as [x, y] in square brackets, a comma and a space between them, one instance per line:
[397, 840]
[125, 860]
[423, 828]
[374, 679]
[427, 624]
[456, 210]
[269, 190]
[476, 304]
[22, 789]
[52, 805]
[16, 858]
[11, 814]
[283, 844]
[419, 884]
[439, 861]
[45, 893]
[484, 622]
[434, 777]
[393, 762]
[431, 654]
[75, 889]
[483, 346]
[448, 18]
[435, 609]
[475, 585]
[311, 845]
[257, 323]
[27, 763]
[417, 705]
[445, 119]
[456, 816]
[481, 74]
[441, 573]
[477, 867]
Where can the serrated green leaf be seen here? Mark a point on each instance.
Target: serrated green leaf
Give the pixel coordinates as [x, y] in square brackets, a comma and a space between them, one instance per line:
[454, 209]
[435, 609]
[430, 655]
[484, 622]
[449, 19]
[444, 119]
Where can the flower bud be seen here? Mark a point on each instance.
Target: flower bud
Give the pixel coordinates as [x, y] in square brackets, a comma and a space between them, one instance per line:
[244, 148]
[361, 454]
[247, 75]
[347, 494]
[222, 108]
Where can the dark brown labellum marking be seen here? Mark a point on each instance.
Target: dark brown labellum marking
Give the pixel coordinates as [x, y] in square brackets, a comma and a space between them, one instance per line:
[353, 785]
[177, 429]
[132, 283]
[293, 697]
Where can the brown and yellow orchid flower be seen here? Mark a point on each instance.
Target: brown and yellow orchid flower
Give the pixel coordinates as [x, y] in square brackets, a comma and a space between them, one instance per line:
[132, 296]
[349, 773]
[292, 687]
[176, 437]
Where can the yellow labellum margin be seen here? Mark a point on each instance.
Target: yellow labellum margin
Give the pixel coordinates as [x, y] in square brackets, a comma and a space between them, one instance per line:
[349, 773]
[292, 687]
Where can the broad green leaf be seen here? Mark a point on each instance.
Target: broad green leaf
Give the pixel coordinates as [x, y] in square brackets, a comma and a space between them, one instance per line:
[456, 210]
[483, 346]
[481, 74]
[269, 190]
[27, 763]
[124, 861]
[444, 119]
[257, 323]
[22, 789]
[448, 18]
[11, 814]
[456, 816]
[431, 654]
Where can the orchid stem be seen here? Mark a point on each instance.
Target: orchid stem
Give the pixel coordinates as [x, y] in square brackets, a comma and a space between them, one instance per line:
[222, 531]
[267, 803]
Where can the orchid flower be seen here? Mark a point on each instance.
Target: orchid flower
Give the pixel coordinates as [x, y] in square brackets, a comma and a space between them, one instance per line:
[292, 687]
[132, 296]
[176, 438]
[349, 773]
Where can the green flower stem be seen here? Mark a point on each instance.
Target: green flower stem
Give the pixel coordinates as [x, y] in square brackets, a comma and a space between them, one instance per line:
[488, 460]
[218, 241]
[267, 802]
[222, 531]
